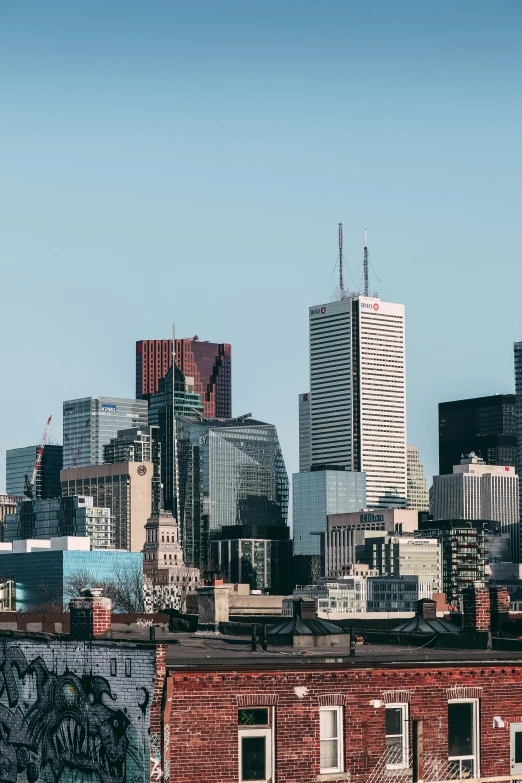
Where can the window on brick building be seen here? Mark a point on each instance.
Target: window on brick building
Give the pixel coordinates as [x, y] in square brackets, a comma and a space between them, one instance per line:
[397, 745]
[255, 744]
[331, 739]
[463, 744]
[515, 731]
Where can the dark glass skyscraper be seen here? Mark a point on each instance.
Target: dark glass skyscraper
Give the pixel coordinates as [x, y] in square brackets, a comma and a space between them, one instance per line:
[20, 463]
[171, 399]
[485, 425]
[231, 472]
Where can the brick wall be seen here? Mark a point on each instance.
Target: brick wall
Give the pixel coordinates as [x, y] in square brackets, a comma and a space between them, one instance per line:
[52, 690]
[203, 717]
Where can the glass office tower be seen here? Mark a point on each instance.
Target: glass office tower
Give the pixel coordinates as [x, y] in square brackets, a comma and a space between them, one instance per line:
[485, 425]
[20, 463]
[172, 399]
[90, 423]
[316, 495]
[231, 472]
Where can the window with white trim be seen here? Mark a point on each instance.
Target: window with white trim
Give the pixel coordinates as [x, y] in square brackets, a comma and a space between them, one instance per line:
[463, 738]
[397, 736]
[331, 732]
[255, 744]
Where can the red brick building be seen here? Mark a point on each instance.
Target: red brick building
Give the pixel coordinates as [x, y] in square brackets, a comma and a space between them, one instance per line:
[313, 712]
[210, 364]
[327, 717]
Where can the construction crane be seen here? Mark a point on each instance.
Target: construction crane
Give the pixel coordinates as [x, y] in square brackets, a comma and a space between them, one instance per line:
[29, 485]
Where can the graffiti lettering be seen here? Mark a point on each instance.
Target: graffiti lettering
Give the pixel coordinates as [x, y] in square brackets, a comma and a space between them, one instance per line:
[144, 623]
[66, 727]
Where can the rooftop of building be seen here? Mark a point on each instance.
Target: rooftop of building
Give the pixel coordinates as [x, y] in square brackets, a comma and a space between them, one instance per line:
[240, 421]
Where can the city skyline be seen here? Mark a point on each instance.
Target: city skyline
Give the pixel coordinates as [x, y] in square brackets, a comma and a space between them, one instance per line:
[235, 204]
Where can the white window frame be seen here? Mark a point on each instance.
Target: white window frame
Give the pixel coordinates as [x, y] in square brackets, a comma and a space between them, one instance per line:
[339, 739]
[403, 706]
[476, 736]
[258, 731]
[514, 729]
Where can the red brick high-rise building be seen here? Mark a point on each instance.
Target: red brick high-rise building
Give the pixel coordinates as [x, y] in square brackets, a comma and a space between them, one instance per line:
[209, 364]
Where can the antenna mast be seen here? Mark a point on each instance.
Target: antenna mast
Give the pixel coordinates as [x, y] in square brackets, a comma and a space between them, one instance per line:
[341, 270]
[366, 283]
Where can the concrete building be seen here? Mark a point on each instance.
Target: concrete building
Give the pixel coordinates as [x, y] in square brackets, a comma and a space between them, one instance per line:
[408, 556]
[485, 425]
[397, 593]
[418, 495]
[305, 445]
[347, 535]
[481, 492]
[125, 488]
[89, 424]
[58, 517]
[318, 494]
[364, 594]
[358, 393]
[139, 445]
[19, 466]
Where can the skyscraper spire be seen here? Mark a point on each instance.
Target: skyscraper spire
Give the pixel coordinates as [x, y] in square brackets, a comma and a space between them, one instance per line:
[366, 283]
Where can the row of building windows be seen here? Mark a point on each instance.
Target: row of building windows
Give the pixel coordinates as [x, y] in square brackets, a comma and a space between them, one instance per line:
[257, 741]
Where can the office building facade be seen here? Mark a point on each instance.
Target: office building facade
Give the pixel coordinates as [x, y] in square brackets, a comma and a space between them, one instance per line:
[153, 360]
[139, 445]
[125, 488]
[19, 470]
[463, 554]
[317, 494]
[486, 426]
[58, 517]
[480, 492]
[231, 472]
[257, 555]
[45, 571]
[418, 495]
[90, 423]
[175, 397]
[358, 393]
[408, 556]
[208, 364]
[305, 453]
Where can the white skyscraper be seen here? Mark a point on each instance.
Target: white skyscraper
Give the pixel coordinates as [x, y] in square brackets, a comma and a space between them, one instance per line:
[358, 393]
[418, 495]
[304, 433]
[478, 491]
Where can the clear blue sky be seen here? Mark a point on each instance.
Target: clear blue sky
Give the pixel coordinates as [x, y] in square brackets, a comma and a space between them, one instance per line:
[188, 161]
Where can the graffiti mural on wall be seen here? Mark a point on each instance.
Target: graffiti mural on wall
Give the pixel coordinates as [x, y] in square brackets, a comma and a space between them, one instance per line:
[56, 728]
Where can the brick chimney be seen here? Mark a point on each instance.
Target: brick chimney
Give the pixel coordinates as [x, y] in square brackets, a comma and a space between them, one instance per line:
[90, 614]
[426, 608]
[499, 600]
[477, 607]
[213, 605]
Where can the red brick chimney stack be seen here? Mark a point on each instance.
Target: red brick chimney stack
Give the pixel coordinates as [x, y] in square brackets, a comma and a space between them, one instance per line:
[477, 607]
[91, 614]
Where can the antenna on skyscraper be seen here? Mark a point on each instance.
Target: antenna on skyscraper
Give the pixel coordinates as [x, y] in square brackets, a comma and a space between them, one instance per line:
[366, 282]
[341, 270]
